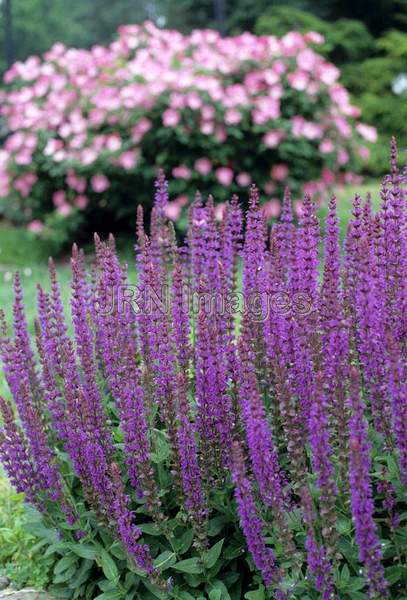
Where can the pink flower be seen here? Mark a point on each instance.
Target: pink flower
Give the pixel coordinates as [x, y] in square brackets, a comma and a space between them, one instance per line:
[298, 80]
[364, 153]
[99, 183]
[307, 59]
[314, 37]
[88, 156]
[273, 138]
[291, 43]
[367, 132]
[220, 211]
[24, 184]
[140, 129]
[272, 208]
[339, 95]
[269, 187]
[224, 175]
[52, 146]
[35, 226]
[243, 179]
[181, 172]
[279, 172]
[172, 210]
[221, 134]
[328, 177]
[74, 182]
[343, 157]
[233, 116]
[128, 160]
[194, 101]
[181, 200]
[59, 198]
[311, 131]
[297, 206]
[327, 73]
[171, 117]
[208, 112]
[64, 209]
[207, 127]
[203, 166]
[113, 142]
[81, 202]
[23, 158]
[326, 146]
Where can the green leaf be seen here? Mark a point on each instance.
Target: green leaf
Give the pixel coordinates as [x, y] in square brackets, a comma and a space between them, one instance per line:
[185, 541]
[165, 560]
[57, 548]
[149, 528]
[345, 574]
[185, 595]
[82, 574]
[219, 586]
[65, 562]
[215, 526]
[112, 595]
[84, 550]
[344, 526]
[356, 583]
[256, 594]
[393, 574]
[213, 554]
[117, 551]
[108, 565]
[161, 447]
[154, 590]
[215, 595]
[65, 575]
[190, 565]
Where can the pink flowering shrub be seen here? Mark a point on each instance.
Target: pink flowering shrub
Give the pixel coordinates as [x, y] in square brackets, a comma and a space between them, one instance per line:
[89, 128]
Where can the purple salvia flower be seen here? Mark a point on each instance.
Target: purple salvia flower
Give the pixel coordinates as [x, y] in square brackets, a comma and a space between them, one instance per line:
[191, 478]
[398, 395]
[319, 440]
[215, 416]
[352, 242]
[128, 532]
[22, 340]
[334, 338]
[15, 456]
[231, 240]
[251, 522]
[262, 452]
[85, 349]
[180, 314]
[285, 234]
[254, 249]
[361, 492]
[321, 458]
[370, 340]
[309, 237]
[196, 241]
[318, 562]
[161, 194]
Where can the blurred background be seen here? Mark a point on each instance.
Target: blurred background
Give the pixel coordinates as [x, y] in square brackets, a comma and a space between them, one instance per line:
[366, 40]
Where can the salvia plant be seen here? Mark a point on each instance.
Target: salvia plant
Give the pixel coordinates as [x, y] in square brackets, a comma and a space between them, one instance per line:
[232, 425]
